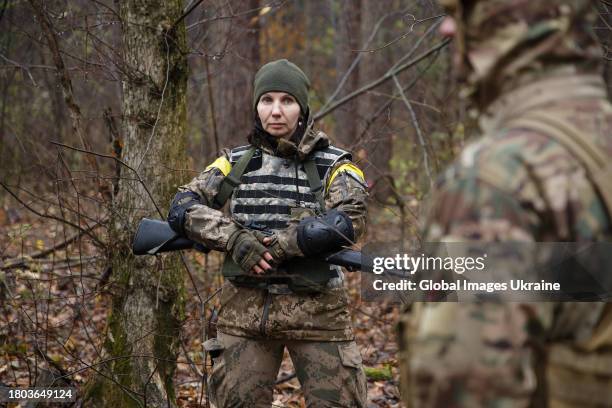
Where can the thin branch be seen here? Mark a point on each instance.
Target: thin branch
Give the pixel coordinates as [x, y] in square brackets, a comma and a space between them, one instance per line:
[53, 217]
[64, 76]
[56, 247]
[417, 128]
[277, 4]
[388, 103]
[376, 28]
[192, 365]
[118, 160]
[185, 14]
[55, 264]
[356, 61]
[21, 67]
[191, 277]
[406, 34]
[381, 80]
[431, 29]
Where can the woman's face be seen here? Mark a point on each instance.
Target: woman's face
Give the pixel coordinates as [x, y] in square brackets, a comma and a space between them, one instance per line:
[279, 113]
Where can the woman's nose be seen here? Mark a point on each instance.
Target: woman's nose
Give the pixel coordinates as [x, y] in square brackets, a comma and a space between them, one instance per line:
[276, 108]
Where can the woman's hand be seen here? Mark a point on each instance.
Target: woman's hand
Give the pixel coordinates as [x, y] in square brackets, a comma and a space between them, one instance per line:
[262, 266]
[282, 245]
[247, 251]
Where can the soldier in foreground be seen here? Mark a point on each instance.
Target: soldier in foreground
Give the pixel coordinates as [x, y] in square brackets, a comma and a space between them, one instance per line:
[533, 71]
[289, 181]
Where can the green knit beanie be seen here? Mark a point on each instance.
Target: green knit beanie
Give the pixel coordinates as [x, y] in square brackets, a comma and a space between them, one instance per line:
[282, 76]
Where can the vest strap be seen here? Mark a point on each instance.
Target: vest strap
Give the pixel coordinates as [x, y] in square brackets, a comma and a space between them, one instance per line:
[578, 378]
[580, 145]
[315, 181]
[232, 180]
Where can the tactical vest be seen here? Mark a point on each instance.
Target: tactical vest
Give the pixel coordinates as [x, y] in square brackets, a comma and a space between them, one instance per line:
[271, 191]
[580, 376]
[578, 372]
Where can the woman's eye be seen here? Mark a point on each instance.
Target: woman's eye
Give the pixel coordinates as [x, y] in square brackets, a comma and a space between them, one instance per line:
[288, 101]
[266, 99]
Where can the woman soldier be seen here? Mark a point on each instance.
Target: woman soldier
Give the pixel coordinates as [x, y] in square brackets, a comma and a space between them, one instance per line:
[292, 196]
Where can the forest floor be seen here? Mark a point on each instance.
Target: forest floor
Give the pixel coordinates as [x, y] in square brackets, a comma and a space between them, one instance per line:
[53, 310]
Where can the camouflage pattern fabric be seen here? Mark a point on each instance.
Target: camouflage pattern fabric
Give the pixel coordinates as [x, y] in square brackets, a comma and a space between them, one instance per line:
[330, 373]
[518, 184]
[506, 43]
[274, 187]
[248, 312]
[515, 185]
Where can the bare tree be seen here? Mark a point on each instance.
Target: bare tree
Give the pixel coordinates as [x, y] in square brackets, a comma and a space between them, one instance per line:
[234, 44]
[347, 42]
[148, 294]
[604, 32]
[378, 143]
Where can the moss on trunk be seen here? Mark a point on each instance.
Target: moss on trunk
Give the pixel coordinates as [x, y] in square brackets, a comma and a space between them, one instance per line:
[148, 293]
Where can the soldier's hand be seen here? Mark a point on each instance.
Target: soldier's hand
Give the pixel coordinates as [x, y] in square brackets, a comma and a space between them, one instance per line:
[262, 266]
[248, 252]
[283, 244]
[275, 248]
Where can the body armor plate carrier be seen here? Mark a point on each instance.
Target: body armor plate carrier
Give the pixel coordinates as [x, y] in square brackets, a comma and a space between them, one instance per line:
[270, 191]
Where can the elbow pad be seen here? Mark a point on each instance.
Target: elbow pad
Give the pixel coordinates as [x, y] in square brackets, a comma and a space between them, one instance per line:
[183, 201]
[327, 233]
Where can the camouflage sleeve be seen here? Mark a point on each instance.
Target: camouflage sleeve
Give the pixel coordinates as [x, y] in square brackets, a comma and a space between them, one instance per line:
[473, 354]
[203, 223]
[346, 191]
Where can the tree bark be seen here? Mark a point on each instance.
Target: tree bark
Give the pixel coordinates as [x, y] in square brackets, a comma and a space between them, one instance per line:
[347, 41]
[235, 46]
[605, 37]
[148, 294]
[377, 141]
[39, 8]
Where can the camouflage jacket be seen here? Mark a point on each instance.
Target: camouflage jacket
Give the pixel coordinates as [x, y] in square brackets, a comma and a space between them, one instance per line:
[323, 316]
[516, 184]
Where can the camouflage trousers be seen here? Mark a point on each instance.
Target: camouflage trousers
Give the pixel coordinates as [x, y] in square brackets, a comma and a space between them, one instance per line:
[245, 372]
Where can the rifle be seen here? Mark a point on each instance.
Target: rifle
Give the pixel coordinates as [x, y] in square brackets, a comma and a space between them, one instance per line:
[156, 236]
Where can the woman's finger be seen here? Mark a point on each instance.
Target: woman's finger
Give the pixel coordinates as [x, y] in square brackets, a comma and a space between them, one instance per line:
[264, 265]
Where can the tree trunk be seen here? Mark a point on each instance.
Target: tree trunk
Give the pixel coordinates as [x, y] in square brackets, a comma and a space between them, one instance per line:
[235, 45]
[377, 140]
[605, 37]
[148, 294]
[347, 41]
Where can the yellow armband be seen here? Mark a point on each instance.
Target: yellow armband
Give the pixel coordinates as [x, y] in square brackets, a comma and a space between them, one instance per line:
[348, 167]
[222, 164]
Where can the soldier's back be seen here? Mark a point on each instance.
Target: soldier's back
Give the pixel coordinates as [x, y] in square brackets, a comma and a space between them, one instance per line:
[521, 181]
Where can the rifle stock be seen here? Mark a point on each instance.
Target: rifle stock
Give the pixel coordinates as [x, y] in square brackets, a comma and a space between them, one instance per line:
[156, 236]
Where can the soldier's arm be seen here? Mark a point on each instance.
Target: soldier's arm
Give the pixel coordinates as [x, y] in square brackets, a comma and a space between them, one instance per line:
[346, 190]
[203, 223]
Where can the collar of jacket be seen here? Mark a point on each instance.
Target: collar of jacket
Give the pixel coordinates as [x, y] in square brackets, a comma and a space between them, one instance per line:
[544, 93]
[304, 141]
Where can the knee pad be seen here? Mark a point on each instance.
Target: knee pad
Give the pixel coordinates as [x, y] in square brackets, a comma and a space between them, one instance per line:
[327, 233]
